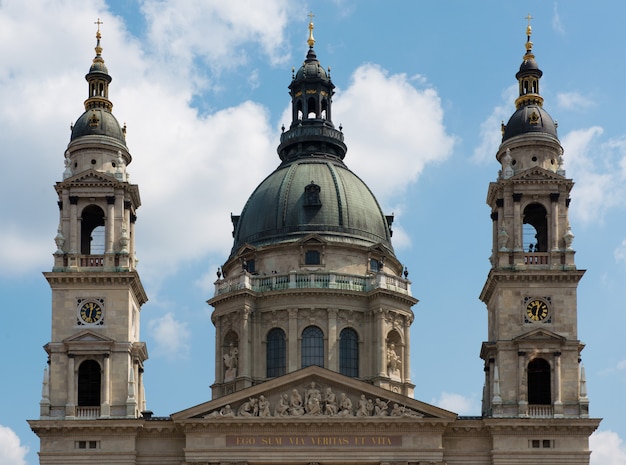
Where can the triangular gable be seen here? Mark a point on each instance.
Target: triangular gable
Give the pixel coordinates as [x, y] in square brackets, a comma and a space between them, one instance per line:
[312, 239]
[88, 342]
[378, 248]
[302, 383]
[91, 176]
[245, 249]
[538, 173]
[539, 334]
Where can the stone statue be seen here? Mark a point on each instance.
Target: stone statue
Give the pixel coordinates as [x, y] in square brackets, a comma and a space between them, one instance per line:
[393, 361]
[330, 402]
[249, 408]
[361, 408]
[313, 399]
[230, 362]
[282, 409]
[345, 406]
[264, 407]
[380, 408]
[296, 406]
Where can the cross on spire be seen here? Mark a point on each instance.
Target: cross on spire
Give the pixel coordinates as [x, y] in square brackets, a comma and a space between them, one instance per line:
[98, 23]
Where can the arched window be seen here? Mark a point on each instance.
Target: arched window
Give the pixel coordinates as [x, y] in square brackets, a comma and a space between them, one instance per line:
[92, 230]
[312, 347]
[535, 228]
[311, 108]
[275, 358]
[539, 386]
[89, 384]
[349, 353]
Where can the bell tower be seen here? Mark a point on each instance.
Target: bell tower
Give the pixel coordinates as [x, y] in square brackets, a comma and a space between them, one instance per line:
[95, 357]
[532, 356]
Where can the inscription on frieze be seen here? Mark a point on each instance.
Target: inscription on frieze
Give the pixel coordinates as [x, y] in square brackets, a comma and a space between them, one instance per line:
[381, 440]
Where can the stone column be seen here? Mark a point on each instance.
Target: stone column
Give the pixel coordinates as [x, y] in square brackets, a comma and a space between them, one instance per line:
[558, 404]
[74, 233]
[522, 388]
[110, 224]
[406, 360]
[381, 353]
[219, 363]
[517, 223]
[105, 409]
[554, 237]
[292, 355]
[333, 345]
[70, 406]
[243, 368]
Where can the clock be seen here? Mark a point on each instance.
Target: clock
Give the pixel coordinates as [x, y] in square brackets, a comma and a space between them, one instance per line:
[536, 310]
[90, 311]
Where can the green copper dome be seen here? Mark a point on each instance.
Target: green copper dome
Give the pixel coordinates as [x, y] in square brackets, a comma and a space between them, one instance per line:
[312, 196]
[312, 191]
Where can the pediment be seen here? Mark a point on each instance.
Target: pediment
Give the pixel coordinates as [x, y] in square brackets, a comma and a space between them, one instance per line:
[314, 239]
[91, 177]
[87, 336]
[537, 174]
[539, 335]
[88, 341]
[246, 249]
[378, 248]
[288, 396]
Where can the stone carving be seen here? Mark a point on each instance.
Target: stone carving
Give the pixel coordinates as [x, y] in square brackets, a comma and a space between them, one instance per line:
[393, 361]
[230, 362]
[345, 406]
[330, 402]
[313, 403]
[313, 399]
[296, 406]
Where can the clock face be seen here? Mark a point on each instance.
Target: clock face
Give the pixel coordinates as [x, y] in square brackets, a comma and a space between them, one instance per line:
[90, 312]
[536, 310]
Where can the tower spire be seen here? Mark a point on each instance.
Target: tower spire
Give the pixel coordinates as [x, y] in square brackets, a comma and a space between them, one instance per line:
[98, 78]
[311, 39]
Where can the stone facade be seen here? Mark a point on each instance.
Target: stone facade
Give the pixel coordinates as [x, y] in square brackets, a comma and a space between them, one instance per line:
[312, 311]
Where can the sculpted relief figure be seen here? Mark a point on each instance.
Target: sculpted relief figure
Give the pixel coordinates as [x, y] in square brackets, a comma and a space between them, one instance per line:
[330, 402]
[249, 408]
[313, 400]
[393, 361]
[296, 406]
[361, 407]
[231, 360]
[264, 407]
[282, 408]
[345, 406]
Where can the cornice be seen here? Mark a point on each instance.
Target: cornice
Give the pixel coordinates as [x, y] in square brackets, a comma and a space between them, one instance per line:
[59, 279]
[527, 276]
[109, 427]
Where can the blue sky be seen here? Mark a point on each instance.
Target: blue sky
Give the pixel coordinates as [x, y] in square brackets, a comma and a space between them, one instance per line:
[421, 90]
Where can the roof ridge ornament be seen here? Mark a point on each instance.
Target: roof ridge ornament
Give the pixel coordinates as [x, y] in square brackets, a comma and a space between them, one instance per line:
[311, 39]
[529, 32]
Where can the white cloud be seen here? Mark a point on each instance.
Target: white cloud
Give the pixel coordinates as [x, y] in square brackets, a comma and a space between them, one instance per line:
[557, 24]
[11, 451]
[457, 403]
[390, 142]
[607, 448]
[215, 31]
[599, 180]
[573, 101]
[491, 128]
[170, 335]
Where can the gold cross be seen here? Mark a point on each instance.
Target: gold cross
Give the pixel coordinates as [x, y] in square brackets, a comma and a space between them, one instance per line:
[98, 23]
[311, 16]
[528, 17]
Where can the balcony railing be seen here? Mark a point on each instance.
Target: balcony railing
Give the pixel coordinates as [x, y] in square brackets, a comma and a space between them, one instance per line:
[88, 412]
[295, 280]
[540, 411]
[537, 258]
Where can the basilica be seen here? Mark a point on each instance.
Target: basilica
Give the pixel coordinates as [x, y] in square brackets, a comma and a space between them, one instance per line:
[313, 309]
